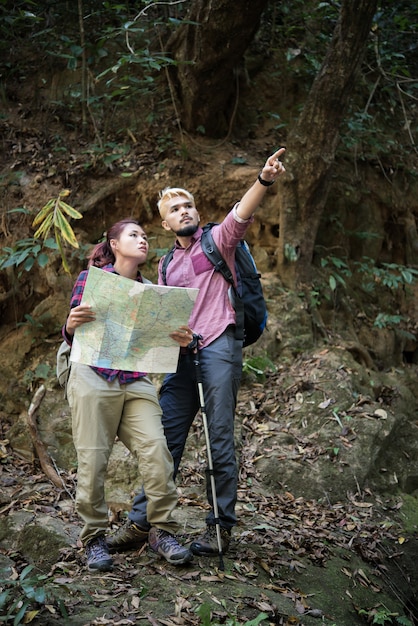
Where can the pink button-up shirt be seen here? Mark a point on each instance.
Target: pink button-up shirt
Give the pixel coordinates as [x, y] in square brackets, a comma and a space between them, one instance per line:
[190, 267]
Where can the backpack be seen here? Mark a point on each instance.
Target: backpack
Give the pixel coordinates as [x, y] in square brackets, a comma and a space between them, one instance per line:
[246, 296]
[63, 365]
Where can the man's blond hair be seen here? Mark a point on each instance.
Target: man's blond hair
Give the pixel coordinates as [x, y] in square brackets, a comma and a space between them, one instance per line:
[171, 192]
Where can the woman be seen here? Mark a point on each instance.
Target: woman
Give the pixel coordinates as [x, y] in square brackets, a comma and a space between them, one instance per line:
[108, 403]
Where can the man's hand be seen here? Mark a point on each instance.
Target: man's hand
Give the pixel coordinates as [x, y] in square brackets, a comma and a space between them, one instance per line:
[273, 167]
[255, 194]
[183, 336]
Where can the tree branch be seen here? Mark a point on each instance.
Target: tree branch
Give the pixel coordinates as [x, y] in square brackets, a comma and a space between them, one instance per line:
[40, 449]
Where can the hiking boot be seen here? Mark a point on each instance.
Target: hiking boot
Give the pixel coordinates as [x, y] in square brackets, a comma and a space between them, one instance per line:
[97, 554]
[207, 544]
[167, 545]
[127, 537]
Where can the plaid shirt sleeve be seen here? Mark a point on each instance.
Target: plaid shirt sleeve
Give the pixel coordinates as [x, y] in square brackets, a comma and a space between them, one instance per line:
[76, 296]
[78, 289]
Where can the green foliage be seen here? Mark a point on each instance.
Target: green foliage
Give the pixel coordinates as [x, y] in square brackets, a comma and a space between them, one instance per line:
[304, 30]
[279, 122]
[22, 598]
[205, 614]
[382, 615]
[385, 320]
[106, 153]
[258, 366]
[239, 160]
[25, 252]
[388, 84]
[290, 253]
[31, 321]
[115, 58]
[333, 452]
[336, 277]
[314, 298]
[53, 216]
[340, 274]
[42, 372]
[390, 275]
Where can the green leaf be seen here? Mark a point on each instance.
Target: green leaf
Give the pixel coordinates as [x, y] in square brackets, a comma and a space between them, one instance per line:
[407, 276]
[65, 229]
[204, 613]
[40, 595]
[254, 622]
[69, 210]
[44, 212]
[45, 227]
[63, 259]
[42, 260]
[50, 243]
[25, 571]
[29, 264]
[19, 209]
[21, 613]
[3, 597]
[404, 621]
[19, 258]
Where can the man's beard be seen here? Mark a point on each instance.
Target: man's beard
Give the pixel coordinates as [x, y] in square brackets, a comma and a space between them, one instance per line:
[188, 230]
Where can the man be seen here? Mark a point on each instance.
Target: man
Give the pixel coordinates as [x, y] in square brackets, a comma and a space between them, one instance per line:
[213, 318]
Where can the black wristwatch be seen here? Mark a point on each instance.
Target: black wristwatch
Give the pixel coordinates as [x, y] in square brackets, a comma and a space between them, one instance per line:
[266, 183]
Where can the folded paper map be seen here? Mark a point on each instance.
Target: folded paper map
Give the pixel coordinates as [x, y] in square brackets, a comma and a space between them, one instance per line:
[133, 323]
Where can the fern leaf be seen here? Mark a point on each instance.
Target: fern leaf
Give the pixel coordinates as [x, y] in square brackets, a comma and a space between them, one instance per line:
[65, 229]
[43, 212]
[69, 210]
[45, 227]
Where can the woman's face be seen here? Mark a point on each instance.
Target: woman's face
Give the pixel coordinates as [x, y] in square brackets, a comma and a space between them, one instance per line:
[132, 243]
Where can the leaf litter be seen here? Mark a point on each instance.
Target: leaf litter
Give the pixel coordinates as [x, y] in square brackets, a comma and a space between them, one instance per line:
[279, 536]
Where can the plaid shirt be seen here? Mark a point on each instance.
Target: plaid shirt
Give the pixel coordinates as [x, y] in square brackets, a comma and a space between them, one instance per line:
[77, 294]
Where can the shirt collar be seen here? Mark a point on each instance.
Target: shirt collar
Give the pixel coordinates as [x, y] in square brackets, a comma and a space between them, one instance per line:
[196, 237]
[109, 268]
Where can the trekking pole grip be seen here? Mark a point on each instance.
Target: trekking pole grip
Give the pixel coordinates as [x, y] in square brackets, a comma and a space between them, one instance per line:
[194, 344]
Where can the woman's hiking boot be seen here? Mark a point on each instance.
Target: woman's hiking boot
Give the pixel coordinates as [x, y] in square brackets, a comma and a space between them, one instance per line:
[127, 537]
[97, 555]
[207, 544]
[166, 545]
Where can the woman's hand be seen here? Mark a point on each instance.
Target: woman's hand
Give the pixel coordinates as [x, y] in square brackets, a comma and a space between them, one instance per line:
[78, 316]
[183, 336]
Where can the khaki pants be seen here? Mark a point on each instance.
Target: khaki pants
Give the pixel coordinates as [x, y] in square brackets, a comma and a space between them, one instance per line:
[102, 410]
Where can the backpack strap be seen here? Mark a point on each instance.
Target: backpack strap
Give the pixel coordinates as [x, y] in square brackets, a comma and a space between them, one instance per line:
[212, 252]
[168, 257]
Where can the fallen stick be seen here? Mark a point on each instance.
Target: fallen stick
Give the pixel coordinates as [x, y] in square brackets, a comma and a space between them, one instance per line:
[43, 456]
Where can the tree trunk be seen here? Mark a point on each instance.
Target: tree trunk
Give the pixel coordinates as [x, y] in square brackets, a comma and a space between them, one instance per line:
[210, 59]
[313, 141]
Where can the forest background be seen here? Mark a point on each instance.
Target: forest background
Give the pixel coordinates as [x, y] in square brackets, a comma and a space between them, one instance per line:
[102, 105]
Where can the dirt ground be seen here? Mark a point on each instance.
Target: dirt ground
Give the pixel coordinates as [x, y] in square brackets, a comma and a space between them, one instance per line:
[293, 561]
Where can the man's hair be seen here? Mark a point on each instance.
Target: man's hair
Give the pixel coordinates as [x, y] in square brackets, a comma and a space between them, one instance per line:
[171, 192]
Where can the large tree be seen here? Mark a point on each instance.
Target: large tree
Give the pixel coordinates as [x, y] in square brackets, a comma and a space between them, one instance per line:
[209, 49]
[313, 140]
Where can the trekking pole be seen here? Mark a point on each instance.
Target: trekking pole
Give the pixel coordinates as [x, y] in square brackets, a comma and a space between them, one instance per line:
[194, 345]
